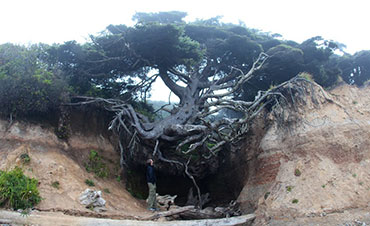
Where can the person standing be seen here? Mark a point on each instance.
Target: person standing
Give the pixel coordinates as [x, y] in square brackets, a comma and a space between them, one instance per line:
[151, 180]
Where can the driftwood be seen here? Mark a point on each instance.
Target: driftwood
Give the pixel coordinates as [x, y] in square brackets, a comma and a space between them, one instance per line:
[166, 201]
[194, 199]
[169, 213]
[210, 212]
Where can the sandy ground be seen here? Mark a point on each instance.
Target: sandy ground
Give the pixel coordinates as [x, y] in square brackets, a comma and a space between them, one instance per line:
[56, 219]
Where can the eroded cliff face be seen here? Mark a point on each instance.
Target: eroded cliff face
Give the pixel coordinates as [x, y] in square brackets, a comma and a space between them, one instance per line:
[319, 163]
[55, 160]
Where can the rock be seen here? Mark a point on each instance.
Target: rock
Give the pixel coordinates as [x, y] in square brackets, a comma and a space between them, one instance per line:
[90, 198]
[165, 201]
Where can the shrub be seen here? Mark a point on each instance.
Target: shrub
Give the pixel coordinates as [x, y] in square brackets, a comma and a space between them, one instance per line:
[25, 158]
[89, 182]
[17, 190]
[295, 201]
[96, 165]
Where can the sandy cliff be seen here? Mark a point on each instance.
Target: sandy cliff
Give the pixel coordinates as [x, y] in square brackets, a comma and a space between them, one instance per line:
[317, 165]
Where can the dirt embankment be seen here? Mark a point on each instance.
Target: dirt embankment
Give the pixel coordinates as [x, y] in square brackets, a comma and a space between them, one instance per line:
[319, 164]
[59, 167]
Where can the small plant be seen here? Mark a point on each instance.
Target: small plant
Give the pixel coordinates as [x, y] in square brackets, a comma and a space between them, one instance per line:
[25, 158]
[89, 182]
[96, 165]
[354, 102]
[272, 86]
[323, 186]
[17, 190]
[106, 190]
[297, 172]
[306, 76]
[118, 178]
[361, 183]
[289, 188]
[295, 201]
[354, 175]
[55, 184]
[267, 194]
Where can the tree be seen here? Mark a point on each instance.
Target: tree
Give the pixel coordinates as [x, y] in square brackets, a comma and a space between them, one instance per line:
[207, 65]
[355, 69]
[26, 87]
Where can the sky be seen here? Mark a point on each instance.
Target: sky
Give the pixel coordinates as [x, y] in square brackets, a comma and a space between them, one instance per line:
[56, 21]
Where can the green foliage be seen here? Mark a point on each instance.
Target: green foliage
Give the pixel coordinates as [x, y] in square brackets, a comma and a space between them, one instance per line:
[297, 173]
[323, 186]
[26, 86]
[89, 182]
[96, 165]
[118, 178]
[145, 109]
[17, 190]
[25, 158]
[55, 184]
[289, 188]
[106, 190]
[295, 201]
[210, 145]
[355, 69]
[306, 76]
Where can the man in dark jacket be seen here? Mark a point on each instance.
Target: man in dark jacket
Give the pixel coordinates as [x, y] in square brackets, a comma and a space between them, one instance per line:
[151, 180]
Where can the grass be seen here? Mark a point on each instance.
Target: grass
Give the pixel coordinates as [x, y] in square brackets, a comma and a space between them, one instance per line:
[106, 190]
[295, 201]
[89, 182]
[18, 191]
[55, 184]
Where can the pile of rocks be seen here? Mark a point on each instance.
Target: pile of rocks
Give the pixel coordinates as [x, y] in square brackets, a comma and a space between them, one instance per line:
[92, 200]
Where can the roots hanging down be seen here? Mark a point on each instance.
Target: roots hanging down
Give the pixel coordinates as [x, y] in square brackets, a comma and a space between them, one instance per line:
[189, 140]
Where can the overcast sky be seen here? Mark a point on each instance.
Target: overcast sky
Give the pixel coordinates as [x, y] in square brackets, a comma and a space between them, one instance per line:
[56, 21]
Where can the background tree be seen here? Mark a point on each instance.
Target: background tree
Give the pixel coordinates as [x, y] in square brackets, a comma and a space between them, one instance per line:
[27, 88]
